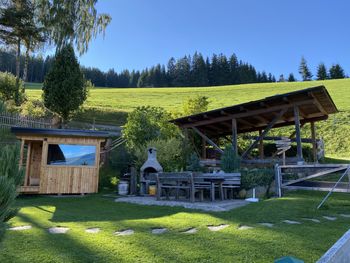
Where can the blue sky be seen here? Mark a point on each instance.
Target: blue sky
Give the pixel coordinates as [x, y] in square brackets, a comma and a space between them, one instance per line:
[270, 34]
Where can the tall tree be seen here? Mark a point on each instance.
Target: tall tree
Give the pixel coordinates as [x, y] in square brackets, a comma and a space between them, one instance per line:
[64, 88]
[199, 71]
[291, 78]
[304, 70]
[336, 72]
[72, 22]
[322, 72]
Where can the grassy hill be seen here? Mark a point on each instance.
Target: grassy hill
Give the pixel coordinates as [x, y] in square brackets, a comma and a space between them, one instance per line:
[110, 105]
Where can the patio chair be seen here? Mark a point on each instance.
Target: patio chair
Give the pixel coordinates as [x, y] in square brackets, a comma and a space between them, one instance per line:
[231, 183]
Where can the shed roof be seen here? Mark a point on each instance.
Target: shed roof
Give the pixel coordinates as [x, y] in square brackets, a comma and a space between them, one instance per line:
[314, 104]
[59, 132]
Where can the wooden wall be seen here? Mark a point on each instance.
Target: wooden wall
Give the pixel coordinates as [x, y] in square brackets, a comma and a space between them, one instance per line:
[67, 179]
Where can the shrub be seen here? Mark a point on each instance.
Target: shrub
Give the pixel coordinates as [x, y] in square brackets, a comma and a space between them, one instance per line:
[171, 154]
[230, 161]
[195, 105]
[148, 123]
[251, 178]
[10, 178]
[193, 163]
[9, 89]
[34, 108]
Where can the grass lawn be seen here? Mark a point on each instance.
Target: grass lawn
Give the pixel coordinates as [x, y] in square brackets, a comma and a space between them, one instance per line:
[111, 105]
[260, 244]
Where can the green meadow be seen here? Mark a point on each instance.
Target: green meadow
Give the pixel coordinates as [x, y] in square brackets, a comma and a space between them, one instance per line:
[111, 105]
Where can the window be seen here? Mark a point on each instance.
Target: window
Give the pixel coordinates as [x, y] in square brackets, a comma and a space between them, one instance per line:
[69, 154]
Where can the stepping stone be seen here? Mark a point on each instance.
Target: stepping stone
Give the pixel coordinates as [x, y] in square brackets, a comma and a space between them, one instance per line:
[267, 224]
[345, 215]
[330, 218]
[126, 232]
[217, 228]
[243, 227]
[93, 230]
[291, 222]
[58, 230]
[190, 231]
[158, 231]
[19, 228]
[312, 220]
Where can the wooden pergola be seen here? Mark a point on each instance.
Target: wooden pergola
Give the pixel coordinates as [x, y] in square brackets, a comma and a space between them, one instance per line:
[294, 108]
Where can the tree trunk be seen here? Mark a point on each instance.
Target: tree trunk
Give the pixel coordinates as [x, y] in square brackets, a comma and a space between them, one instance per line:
[18, 64]
[26, 61]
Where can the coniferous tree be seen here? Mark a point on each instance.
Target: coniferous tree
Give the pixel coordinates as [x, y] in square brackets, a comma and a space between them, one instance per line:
[322, 72]
[171, 71]
[281, 79]
[64, 88]
[233, 62]
[304, 70]
[336, 72]
[291, 78]
[199, 77]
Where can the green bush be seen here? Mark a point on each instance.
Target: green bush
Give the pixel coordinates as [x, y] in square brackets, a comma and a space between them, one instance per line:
[108, 179]
[9, 89]
[11, 176]
[251, 178]
[34, 108]
[193, 163]
[230, 161]
[148, 123]
[171, 154]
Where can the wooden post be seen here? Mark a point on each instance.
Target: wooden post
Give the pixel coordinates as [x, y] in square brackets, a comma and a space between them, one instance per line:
[297, 135]
[261, 145]
[278, 181]
[21, 153]
[204, 149]
[314, 145]
[234, 136]
[207, 139]
[26, 179]
[133, 181]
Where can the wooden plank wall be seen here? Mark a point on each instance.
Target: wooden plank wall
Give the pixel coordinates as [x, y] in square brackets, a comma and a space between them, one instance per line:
[67, 179]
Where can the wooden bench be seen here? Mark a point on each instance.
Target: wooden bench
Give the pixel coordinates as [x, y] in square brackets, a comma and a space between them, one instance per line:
[177, 182]
[231, 183]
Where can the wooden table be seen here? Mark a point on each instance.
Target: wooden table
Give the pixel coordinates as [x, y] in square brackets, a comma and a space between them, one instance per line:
[213, 179]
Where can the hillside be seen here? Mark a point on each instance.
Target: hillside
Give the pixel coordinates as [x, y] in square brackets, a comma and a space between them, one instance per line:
[110, 105]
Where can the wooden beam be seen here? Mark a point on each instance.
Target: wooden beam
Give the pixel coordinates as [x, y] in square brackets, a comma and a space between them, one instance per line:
[326, 172]
[207, 139]
[314, 145]
[204, 149]
[234, 136]
[268, 128]
[297, 135]
[245, 114]
[261, 145]
[317, 103]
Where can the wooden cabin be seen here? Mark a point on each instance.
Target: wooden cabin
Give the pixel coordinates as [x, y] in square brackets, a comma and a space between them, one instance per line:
[59, 161]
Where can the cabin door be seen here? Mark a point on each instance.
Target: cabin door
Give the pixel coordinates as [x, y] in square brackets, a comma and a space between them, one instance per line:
[35, 163]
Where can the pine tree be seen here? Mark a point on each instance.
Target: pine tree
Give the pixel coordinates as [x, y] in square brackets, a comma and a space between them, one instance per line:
[64, 88]
[171, 71]
[11, 176]
[322, 72]
[304, 70]
[233, 62]
[281, 79]
[336, 72]
[291, 78]
[199, 77]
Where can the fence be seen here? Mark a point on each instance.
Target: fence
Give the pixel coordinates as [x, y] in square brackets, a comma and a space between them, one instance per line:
[8, 120]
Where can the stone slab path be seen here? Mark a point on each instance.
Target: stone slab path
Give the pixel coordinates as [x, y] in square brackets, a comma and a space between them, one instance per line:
[267, 224]
[20, 228]
[330, 218]
[217, 228]
[190, 231]
[345, 215]
[244, 227]
[58, 230]
[93, 230]
[158, 231]
[312, 220]
[291, 222]
[126, 232]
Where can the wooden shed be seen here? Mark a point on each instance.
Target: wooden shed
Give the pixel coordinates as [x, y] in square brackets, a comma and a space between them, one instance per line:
[60, 161]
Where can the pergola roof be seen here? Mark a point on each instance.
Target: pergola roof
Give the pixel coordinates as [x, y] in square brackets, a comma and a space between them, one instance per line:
[314, 104]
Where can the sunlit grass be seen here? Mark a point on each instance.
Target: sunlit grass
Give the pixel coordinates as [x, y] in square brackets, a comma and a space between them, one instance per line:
[260, 244]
